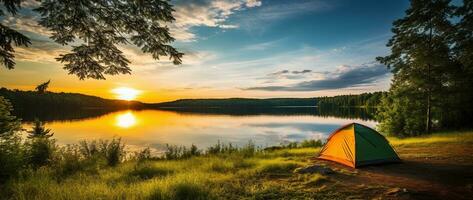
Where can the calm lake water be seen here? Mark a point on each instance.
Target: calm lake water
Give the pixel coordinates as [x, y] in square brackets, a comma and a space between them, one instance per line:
[156, 128]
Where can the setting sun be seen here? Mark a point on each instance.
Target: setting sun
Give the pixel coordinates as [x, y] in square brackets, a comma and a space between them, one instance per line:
[125, 93]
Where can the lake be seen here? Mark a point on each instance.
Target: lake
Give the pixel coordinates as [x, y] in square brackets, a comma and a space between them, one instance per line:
[203, 127]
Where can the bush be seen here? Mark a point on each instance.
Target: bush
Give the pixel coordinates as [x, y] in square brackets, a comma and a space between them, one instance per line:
[311, 143]
[11, 157]
[143, 155]
[112, 151]
[174, 152]
[11, 151]
[40, 152]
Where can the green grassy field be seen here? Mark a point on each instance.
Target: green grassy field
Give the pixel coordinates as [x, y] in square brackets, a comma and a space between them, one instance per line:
[265, 175]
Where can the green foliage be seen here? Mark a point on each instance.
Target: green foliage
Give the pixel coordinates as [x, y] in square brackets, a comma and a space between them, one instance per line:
[39, 131]
[303, 144]
[248, 150]
[266, 175]
[9, 37]
[311, 143]
[97, 28]
[360, 100]
[102, 26]
[40, 148]
[143, 155]
[431, 88]
[112, 151]
[239, 102]
[40, 151]
[11, 151]
[174, 152]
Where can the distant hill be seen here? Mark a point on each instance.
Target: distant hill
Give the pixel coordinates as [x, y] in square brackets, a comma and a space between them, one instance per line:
[31, 99]
[236, 102]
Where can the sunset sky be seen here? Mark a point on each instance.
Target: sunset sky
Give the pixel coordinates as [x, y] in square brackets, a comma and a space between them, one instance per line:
[235, 48]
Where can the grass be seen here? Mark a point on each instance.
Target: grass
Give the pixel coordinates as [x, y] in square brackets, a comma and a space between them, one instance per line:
[264, 175]
[442, 137]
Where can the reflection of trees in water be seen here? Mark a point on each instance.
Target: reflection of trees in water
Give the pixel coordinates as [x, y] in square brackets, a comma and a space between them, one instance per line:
[60, 114]
[345, 112]
[71, 114]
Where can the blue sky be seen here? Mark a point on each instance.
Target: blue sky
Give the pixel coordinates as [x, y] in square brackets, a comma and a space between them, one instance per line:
[239, 48]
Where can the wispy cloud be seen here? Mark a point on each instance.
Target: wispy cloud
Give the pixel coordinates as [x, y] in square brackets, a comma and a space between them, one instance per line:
[260, 19]
[206, 13]
[343, 77]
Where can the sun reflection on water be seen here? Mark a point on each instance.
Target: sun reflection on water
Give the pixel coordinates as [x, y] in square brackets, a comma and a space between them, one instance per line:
[125, 120]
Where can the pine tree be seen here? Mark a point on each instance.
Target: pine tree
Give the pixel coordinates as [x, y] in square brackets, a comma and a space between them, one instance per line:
[41, 88]
[420, 61]
[39, 131]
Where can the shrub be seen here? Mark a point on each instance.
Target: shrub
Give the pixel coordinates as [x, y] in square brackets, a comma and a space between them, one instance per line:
[11, 157]
[114, 151]
[11, 151]
[311, 143]
[143, 155]
[40, 151]
[174, 152]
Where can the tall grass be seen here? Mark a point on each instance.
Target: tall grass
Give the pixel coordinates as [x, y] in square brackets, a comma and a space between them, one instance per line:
[222, 171]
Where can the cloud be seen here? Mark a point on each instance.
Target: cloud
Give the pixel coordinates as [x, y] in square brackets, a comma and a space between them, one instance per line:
[145, 62]
[292, 75]
[206, 13]
[27, 23]
[344, 77]
[40, 52]
[262, 45]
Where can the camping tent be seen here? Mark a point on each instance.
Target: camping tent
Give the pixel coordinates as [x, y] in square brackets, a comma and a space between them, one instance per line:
[356, 145]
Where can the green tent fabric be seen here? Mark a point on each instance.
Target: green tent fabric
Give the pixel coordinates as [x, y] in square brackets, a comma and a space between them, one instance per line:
[357, 145]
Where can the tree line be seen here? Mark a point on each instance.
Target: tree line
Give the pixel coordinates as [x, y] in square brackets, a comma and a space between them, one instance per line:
[31, 101]
[353, 100]
[432, 62]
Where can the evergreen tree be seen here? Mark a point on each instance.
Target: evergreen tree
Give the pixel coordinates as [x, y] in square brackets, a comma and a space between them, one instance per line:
[459, 109]
[11, 152]
[96, 28]
[39, 131]
[41, 88]
[9, 124]
[420, 61]
[40, 148]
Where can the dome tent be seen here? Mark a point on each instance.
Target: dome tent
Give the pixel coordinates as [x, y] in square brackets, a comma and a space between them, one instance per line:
[357, 145]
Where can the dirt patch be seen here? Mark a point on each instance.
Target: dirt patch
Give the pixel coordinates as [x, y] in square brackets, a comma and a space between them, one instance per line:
[435, 171]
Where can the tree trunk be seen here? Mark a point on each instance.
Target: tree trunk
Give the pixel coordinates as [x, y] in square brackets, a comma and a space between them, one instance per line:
[428, 126]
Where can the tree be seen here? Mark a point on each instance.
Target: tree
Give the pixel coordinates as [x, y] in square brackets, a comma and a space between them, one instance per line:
[11, 152]
[96, 29]
[40, 147]
[9, 124]
[10, 37]
[420, 61]
[41, 88]
[38, 131]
